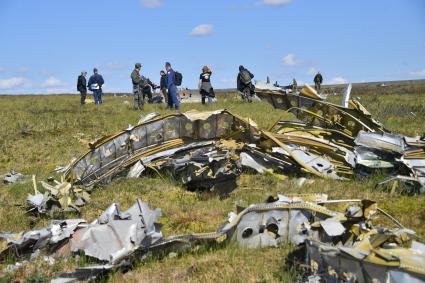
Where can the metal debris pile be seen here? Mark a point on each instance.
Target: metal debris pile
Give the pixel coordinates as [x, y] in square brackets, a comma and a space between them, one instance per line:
[209, 150]
[202, 150]
[338, 246]
[58, 196]
[351, 143]
[109, 239]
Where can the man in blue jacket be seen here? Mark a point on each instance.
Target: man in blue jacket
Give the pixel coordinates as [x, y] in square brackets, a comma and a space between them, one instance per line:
[95, 85]
[172, 87]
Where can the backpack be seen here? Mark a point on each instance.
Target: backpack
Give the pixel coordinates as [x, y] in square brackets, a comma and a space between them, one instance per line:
[178, 78]
[245, 77]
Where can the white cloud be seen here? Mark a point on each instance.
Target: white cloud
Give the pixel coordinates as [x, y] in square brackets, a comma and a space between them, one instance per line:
[2, 70]
[289, 60]
[52, 82]
[151, 4]
[202, 30]
[14, 82]
[275, 2]
[420, 73]
[311, 71]
[337, 81]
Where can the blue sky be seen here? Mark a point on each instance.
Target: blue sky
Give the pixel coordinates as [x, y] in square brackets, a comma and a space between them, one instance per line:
[47, 43]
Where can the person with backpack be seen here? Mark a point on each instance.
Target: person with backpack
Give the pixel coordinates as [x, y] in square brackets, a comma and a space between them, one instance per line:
[318, 80]
[205, 88]
[244, 79]
[95, 85]
[82, 86]
[173, 79]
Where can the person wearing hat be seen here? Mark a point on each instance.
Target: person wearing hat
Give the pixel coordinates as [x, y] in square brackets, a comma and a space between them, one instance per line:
[139, 82]
[95, 85]
[172, 87]
[82, 86]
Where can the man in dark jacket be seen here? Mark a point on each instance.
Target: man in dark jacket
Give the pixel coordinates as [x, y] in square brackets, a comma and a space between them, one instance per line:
[318, 80]
[148, 90]
[82, 86]
[163, 86]
[244, 79]
[139, 82]
[95, 85]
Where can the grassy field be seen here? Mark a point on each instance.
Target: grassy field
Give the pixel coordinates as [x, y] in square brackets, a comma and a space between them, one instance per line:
[39, 133]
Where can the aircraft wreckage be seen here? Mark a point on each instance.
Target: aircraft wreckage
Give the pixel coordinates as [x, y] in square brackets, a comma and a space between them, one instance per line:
[208, 150]
[337, 246]
[332, 131]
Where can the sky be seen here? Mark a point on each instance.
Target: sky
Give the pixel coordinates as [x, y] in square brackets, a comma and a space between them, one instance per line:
[45, 44]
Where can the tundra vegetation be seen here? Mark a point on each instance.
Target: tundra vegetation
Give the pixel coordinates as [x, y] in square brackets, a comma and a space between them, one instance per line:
[39, 133]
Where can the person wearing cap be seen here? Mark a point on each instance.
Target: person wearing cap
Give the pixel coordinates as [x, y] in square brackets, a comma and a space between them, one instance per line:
[139, 82]
[82, 86]
[172, 87]
[95, 85]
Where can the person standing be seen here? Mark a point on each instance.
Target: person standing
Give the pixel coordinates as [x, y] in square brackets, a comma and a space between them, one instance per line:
[82, 86]
[204, 85]
[139, 83]
[95, 85]
[163, 86]
[172, 87]
[294, 86]
[318, 80]
[244, 79]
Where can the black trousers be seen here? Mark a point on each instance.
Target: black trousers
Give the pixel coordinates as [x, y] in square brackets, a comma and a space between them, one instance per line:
[83, 97]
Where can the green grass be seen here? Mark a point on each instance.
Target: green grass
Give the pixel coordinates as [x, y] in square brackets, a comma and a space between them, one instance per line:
[39, 133]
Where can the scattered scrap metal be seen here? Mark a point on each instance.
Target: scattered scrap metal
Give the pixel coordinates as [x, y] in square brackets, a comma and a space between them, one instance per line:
[338, 246]
[208, 150]
[203, 150]
[13, 177]
[349, 138]
[57, 196]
